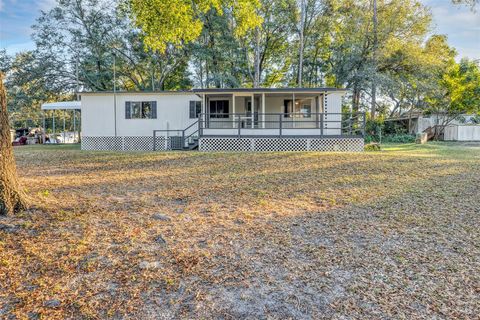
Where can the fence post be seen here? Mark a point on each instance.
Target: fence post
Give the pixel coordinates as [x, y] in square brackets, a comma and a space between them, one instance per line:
[154, 142]
[321, 125]
[183, 139]
[239, 125]
[364, 124]
[350, 124]
[280, 124]
[200, 125]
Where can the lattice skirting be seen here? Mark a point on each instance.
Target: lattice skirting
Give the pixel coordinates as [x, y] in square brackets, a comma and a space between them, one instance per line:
[282, 144]
[126, 143]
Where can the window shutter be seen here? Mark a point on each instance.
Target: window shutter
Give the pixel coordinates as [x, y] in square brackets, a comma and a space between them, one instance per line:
[154, 109]
[128, 112]
[192, 110]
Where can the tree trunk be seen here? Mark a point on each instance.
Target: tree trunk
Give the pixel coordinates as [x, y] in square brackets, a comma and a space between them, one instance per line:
[355, 99]
[12, 199]
[256, 77]
[302, 44]
[373, 107]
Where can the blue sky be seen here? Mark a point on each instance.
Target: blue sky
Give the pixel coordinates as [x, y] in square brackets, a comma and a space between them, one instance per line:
[459, 23]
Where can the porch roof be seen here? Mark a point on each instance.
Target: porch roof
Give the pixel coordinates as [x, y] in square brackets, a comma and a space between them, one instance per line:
[267, 90]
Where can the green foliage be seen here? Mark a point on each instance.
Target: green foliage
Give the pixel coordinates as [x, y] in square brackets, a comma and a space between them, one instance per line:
[176, 44]
[372, 146]
[178, 22]
[398, 138]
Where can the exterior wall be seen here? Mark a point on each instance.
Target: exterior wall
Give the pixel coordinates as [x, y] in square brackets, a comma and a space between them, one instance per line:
[98, 120]
[462, 133]
[98, 114]
[333, 106]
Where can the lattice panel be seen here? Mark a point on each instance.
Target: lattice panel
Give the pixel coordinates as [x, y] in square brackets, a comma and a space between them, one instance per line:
[163, 143]
[279, 144]
[125, 143]
[225, 144]
[137, 143]
[337, 144]
[102, 143]
[275, 144]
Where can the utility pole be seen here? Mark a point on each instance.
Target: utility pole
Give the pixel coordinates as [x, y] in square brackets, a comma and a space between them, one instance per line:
[373, 107]
[114, 93]
[77, 85]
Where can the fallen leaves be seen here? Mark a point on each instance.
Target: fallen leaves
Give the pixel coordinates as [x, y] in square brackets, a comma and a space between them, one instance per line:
[281, 235]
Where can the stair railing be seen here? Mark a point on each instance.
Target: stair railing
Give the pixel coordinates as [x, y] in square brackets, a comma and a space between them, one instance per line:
[184, 136]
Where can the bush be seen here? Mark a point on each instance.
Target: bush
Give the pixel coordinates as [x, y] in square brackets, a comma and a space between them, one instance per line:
[399, 138]
[372, 147]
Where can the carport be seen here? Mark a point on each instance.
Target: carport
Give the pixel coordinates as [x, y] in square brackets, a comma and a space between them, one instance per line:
[66, 106]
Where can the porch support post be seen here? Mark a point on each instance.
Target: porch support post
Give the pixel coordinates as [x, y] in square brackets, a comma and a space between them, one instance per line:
[204, 111]
[253, 110]
[263, 110]
[63, 126]
[293, 110]
[74, 125]
[44, 131]
[233, 110]
[54, 139]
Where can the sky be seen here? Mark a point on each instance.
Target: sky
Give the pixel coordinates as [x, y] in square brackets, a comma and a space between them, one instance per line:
[459, 23]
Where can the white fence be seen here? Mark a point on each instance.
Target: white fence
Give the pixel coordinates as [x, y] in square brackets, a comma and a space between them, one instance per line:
[462, 133]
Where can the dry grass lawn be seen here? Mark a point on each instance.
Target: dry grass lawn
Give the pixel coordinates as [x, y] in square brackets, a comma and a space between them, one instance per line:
[391, 234]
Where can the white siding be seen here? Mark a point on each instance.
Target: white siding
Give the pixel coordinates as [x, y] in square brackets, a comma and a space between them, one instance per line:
[462, 133]
[98, 113]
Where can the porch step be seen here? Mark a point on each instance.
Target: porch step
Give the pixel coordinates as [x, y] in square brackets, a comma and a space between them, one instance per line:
[192, 145]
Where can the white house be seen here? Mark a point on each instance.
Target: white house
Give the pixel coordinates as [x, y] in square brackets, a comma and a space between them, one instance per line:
[260, 119]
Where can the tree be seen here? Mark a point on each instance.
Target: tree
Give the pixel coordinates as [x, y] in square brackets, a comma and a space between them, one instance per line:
[178, 22]
[12, 199]
[458, 93]
[353, 44]
[471, 3]
[84, 35]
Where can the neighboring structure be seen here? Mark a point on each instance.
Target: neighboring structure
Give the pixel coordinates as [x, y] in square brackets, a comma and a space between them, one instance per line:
[221, 120]
[462, 133]
[418, 122]
[66, 106]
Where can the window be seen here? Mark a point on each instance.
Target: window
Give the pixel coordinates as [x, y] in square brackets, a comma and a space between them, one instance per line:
[195, 109]
[141, 110]
[301, 109]
[219, 109]
[306, 111]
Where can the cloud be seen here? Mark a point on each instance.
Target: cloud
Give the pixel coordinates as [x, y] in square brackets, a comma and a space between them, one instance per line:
[19, 47]
[460, 24]
[46, 5]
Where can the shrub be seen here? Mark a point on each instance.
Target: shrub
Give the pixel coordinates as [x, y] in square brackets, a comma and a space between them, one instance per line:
[399, 138]
[372, 147]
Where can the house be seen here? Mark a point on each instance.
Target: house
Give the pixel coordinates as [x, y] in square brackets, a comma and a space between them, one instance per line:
[259, 119]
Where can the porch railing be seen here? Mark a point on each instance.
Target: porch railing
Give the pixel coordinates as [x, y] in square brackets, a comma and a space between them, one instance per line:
[282, 124]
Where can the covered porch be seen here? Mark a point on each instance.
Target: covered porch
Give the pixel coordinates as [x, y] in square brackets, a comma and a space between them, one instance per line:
[301, 112]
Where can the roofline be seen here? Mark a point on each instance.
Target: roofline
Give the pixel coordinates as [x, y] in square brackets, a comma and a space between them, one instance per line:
[223, 90]
[214, 90]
